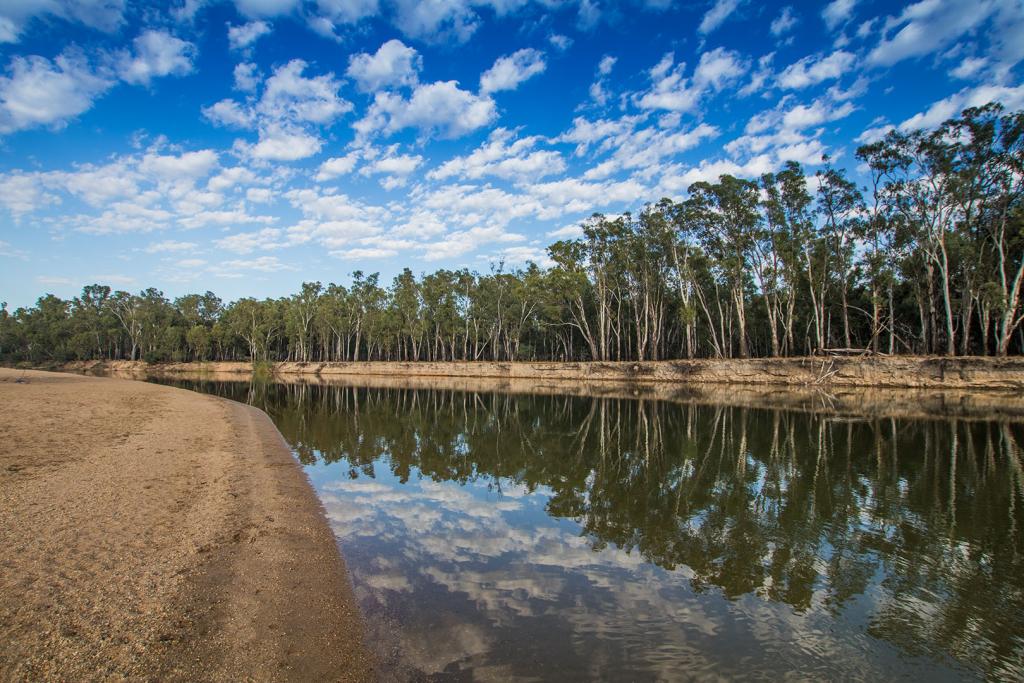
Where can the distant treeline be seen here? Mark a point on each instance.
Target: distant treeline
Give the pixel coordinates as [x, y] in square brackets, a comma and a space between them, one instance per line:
[928, 258]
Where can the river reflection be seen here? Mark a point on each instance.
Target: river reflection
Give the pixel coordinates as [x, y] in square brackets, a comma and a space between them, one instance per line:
[493, 536]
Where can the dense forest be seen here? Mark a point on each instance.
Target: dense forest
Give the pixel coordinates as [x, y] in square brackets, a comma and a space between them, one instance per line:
[926, 258]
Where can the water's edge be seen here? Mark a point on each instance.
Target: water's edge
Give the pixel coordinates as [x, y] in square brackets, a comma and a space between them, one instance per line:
[861, 401]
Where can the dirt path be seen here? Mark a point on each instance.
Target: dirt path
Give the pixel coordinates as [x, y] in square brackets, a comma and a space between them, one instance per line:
[157, 534]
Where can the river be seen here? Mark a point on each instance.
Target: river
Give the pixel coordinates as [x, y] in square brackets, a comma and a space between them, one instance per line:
[498, 536]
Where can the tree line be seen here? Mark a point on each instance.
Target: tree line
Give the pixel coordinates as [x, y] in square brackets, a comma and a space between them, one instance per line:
[926, 258]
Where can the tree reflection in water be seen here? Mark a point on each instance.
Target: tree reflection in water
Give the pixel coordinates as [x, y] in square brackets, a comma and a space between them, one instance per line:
[908, 529]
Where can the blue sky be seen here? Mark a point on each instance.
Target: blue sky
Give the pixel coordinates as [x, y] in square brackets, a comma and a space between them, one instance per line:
[247, 146]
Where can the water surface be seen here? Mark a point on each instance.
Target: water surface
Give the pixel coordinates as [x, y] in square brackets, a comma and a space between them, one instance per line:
[494, 536]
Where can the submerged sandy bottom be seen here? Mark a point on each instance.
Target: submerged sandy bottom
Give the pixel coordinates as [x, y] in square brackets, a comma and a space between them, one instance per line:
[150, 532]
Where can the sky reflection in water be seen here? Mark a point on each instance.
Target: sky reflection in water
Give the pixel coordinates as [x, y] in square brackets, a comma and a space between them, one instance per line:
[496, 536]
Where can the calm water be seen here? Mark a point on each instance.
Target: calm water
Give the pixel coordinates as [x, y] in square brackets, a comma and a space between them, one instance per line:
[493, 536]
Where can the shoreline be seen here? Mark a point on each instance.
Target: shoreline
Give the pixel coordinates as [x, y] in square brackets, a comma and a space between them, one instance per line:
[905, 372]
[152, 532]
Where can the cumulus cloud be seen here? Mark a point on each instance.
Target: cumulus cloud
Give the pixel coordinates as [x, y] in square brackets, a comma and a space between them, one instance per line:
[247, 77]
[284, 143]
[287, 114]
[242, 37]
[337, 166]
[393, 65]
[673, 91]
[503, 156]
[511, 70]
[155, 54]
[394, 166]
[815, 69]
[440, 108]
[39, 92]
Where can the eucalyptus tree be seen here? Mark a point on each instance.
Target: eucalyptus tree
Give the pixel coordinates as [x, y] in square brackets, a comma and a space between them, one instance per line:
[841, 206]
[728, 219]
[127, 308]
[780, 248]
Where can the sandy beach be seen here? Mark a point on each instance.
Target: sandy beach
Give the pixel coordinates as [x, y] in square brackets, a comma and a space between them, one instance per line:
[151, 533]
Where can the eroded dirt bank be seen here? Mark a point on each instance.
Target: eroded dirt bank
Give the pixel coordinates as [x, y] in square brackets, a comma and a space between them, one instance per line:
[896, 371]
[151, 533]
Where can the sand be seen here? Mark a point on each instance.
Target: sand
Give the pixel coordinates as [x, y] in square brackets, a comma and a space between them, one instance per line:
[151, 533]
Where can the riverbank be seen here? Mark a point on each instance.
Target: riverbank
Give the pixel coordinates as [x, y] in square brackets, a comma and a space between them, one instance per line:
[153, 533]
[965, 373]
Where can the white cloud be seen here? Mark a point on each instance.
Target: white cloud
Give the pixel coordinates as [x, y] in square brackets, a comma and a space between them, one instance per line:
[241, 37]
[440, 108]
[393, 65]
[560, 42]
[262, 264]
[784, 22]
[804, 116]
[874, 134]
[838, 12]
[170, 246]
[259, 195]
[511, 70]
[602, 133]
[285, 143]
[231, 177]
[247, 78]
[248, 242]
[337, 166]
[1011, 97]
[176, 167]
[399, 164]
[100, 185]
[968, 67]
[927, 26]
[566, 232]
[815, 69]
[156, 53]
[231, 114]
[286, 115]
[347, 11]
[105, 15]
[671, 90]
[38, 92]
[759, 77]
[503, 156]
[360, 253]
[288, 95]
[598, 89]
[439, 21]
[288, 98]
[396, 167]
[717, 15]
